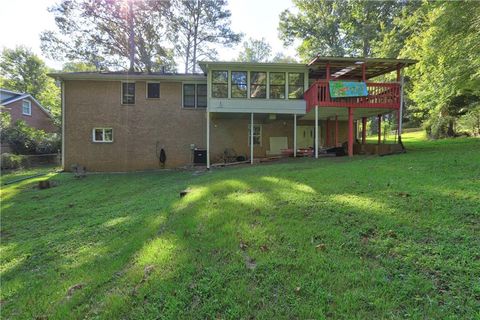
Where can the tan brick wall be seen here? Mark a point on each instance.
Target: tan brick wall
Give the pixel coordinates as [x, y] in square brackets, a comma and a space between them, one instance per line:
[39, 119]
[137, 128]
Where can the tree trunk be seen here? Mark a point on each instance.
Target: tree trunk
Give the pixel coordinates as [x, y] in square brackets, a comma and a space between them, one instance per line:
[131, 36]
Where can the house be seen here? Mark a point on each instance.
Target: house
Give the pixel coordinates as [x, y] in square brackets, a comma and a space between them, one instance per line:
[22, 106]
[121, 121]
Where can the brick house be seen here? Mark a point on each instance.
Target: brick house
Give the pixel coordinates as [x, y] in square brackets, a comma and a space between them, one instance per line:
[22, 106]
[120, 121]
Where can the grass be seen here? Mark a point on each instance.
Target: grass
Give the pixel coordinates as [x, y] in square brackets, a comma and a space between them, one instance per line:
[13, 175]
[368, 238]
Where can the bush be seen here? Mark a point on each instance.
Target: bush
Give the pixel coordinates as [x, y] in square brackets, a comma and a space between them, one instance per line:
[24, 139]
[12, 161]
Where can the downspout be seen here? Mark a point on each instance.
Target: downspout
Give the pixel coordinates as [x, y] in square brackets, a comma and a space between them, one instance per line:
[62, 89]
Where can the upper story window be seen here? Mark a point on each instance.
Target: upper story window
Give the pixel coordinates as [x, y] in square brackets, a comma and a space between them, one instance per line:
[26, 107]
[239, 84]
[102, 135]
[277, 85]
[194, 95]
[128, 92]
[258, 85]
[153, 90]
[220, 84]
[295, 85]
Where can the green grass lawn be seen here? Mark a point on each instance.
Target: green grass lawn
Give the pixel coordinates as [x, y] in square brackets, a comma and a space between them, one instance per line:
[368, 238]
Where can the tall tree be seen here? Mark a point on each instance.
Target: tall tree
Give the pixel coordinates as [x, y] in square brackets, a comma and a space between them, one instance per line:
[255, 51]
[198, 25]
[110, 34]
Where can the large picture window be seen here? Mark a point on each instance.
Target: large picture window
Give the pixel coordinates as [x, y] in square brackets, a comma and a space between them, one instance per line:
[295, 85]
[219, 84]
[257, 134]
[258, 85]
[239, 84]
[277, 85]
[102, 135]
[128, 92]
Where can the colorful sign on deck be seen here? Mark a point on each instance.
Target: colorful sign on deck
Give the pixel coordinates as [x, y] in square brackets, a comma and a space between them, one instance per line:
[342, 89]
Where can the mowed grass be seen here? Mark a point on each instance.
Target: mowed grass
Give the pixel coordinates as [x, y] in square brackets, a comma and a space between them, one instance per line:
[368, 238]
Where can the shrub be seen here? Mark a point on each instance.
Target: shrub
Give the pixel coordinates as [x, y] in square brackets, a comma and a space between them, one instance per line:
[12, 161]
[24, 139]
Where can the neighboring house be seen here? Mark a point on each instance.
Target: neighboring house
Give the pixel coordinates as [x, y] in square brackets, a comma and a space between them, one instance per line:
[120, 121]
[22, 106]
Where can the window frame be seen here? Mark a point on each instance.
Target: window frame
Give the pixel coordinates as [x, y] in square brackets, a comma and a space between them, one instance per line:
[94, 140]
[213, 84]
[251, 84]
[134, 94]
[195, 84]
[296, 85]
[232, 84]
[196, 95]
[29, 107]
[146, 89]
[259, 135]
[270, 85]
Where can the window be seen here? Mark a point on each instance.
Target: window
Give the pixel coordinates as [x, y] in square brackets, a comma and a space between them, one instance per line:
[128, 92]
[102, 135]
[189, 96]
[239, 84]
[153, 90]
[220, 84]
[277, 85]
[201, 95]
[194, 95]
[27, 108]
[258, 85]
[295, 85]
[257, 134]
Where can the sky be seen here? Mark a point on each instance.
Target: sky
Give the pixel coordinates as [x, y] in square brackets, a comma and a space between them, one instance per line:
[254, 18]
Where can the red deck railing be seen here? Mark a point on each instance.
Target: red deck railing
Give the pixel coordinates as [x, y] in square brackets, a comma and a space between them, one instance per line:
[380, 95]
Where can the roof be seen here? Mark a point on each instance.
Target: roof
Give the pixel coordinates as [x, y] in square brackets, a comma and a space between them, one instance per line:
[13, 96]
[204, 65]
[351, 67]
[125, 75]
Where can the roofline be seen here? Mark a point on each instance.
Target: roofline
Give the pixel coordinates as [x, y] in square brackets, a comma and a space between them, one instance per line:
[10, 91]
[285, 65]
[406, 62]
[124, 77]
[27, 95]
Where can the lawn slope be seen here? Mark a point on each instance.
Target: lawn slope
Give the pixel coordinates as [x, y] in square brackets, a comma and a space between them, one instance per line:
[372, 237]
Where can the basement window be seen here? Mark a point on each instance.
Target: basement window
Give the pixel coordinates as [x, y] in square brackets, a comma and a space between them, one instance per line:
[128, 92]
[102, 135]
[257, 135]
[153, 90]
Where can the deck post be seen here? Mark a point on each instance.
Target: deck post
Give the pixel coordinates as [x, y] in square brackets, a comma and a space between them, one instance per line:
[316, 132]
[251, 138]
[350, 132]
[379, 128]
[327, 133]
[294, 135]
[208, 140]
[364, 130]
[400, 112]
[336, 131]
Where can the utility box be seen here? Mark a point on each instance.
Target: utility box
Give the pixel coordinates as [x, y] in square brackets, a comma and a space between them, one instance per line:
[200, 156]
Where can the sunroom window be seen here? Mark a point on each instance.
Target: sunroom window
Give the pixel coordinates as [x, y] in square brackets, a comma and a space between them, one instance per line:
[295, 85]
[258, 85]
[220, 84]
[277, 85]
[239, 84]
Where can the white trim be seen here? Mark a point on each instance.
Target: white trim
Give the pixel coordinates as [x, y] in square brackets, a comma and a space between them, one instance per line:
[146, 90]
[208, 140]
[29, 107]
[251, 138]
[62, 91]
[123, 77]
[316, 132]
[294, 135]
[101, 141]
[121, 93]
[260, 134]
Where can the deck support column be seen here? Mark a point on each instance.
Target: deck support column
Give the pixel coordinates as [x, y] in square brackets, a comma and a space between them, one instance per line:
[327, 133]
[350, 132]
[400, 112]
[379, 117]
[316, 132]
[251, 138]
[336, 131]
[364, 130]
[208, 140]
[294, 135]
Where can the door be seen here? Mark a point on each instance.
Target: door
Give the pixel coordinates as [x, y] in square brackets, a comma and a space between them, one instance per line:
[305, 137]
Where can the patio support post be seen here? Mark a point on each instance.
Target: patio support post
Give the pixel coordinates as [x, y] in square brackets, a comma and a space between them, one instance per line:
[350, 132]
[294, 135]
[316, 132]
[336, 131]
[251, 138]
[208, 140]
[379, 128]
[327, 133]
[364, 130]
[400, 112]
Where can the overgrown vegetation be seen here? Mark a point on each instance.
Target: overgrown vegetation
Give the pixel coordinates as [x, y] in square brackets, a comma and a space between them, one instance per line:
[363, 238]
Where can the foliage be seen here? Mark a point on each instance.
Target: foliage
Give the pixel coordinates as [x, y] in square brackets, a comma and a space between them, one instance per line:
[25, 72]
[78, 66]
[12, 161]
[282, 58]
[470, 121]
[255, 51]
[197, 25]
[24, 139]
[380, 240]
[97, 32]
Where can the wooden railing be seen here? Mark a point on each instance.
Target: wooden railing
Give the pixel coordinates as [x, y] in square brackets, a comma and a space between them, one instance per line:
[380, 95]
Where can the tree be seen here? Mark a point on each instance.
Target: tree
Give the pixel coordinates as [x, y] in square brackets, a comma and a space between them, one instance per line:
[282, 58]
[111, 34]
[23, 71]
[255, 51]
[198, 25]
